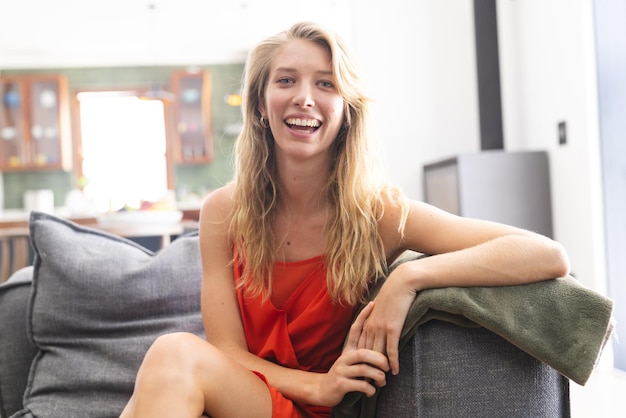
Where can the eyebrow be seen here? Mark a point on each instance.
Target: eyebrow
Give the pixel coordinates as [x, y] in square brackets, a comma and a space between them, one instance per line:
[293, 70]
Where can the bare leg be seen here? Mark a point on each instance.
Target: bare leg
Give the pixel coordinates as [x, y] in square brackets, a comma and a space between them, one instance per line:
[182, 375]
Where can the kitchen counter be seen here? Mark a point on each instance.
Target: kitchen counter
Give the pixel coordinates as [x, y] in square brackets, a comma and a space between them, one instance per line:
[14, 223]
[15, 218]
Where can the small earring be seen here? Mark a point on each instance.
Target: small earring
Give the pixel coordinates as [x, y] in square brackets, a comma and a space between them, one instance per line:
[264, 122]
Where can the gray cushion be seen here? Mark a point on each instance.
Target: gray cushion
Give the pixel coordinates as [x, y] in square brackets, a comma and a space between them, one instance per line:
[16, 351]
[455, 371]
[98, 302]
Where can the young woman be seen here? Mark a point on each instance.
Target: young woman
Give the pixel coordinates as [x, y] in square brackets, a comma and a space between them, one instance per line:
[290, 247]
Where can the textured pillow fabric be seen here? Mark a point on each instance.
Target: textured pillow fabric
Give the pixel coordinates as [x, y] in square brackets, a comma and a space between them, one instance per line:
[98, 302]
[16, 352]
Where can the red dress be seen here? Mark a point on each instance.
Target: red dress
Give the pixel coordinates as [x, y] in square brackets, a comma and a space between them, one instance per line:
[301, 329]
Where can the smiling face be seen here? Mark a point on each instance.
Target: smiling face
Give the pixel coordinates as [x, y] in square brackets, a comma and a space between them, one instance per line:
[301, 103]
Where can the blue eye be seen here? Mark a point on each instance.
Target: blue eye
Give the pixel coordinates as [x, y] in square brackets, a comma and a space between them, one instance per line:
[327, 84]
[285, 81]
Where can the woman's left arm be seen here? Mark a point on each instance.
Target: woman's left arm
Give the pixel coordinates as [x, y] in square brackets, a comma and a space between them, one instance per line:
[471, 252]
[464, 252]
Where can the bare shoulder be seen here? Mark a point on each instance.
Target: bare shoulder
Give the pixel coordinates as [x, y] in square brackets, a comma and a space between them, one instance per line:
[219, 201]
[396, 208]
[215, 218]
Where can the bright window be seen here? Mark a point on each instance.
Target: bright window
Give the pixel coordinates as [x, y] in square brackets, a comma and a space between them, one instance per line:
[124, 150]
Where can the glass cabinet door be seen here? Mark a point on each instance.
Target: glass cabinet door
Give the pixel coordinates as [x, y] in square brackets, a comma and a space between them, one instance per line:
[44, 123]
[12, 124]
[34, 123]
[193, 135]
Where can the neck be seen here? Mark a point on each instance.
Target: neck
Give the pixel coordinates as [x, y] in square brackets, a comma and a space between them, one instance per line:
[301, 199]
[302, 187]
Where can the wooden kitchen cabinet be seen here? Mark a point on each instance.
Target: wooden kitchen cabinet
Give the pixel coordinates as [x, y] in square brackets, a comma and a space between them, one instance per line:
[34, 123]
[193, 136]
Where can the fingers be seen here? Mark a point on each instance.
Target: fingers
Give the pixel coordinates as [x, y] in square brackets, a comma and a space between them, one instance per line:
[392, 342]
[372, 341]
[369, 373]
[356, 329]
[369, 357]
[385, 342]
[393, 356]
[366, 386]
[367, 365]
[371, 336]
[357, 370]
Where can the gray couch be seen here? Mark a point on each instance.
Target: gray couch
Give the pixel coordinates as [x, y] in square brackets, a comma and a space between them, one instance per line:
[74, 328]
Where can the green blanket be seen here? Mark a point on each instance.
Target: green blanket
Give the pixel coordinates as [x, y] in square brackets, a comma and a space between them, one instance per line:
[559, 322]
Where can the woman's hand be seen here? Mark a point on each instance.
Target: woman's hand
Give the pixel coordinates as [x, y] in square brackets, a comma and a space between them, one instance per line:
[381, 331]
[356, 370]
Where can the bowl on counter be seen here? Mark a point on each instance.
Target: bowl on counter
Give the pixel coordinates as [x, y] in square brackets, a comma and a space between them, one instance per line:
[140, 217]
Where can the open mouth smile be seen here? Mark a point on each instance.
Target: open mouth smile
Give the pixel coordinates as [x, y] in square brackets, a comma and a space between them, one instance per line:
[304, 125]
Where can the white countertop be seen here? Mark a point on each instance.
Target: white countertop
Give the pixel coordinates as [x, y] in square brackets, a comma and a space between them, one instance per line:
[17, 215]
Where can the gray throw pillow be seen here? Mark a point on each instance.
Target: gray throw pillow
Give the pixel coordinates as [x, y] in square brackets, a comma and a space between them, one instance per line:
[98, 302]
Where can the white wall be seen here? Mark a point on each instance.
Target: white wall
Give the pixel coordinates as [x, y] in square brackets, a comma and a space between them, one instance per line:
[422, 75]
[548, 75]
[420, 68]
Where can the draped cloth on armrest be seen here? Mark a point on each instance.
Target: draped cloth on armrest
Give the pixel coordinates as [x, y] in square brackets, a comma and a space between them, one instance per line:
[559, 322]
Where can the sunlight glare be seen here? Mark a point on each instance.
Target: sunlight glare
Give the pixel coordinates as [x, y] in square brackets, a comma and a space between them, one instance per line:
[124, 148]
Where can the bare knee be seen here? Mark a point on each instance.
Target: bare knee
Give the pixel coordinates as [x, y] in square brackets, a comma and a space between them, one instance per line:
[169, 374]
[173, 344]
[182, 369]
[176, 351]
[163, 363]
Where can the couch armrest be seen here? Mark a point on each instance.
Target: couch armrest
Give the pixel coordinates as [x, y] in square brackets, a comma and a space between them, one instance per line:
[448, 370]
[16, 351]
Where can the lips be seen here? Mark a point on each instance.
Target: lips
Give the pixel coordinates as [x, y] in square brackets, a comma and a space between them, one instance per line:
[303, 124]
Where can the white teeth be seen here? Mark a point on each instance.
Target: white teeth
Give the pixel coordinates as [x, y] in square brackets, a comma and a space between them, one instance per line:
[311, 123]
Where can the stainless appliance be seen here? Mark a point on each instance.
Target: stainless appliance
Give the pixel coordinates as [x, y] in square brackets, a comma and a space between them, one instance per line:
[508, 187]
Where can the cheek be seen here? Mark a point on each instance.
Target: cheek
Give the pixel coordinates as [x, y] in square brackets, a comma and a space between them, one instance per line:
[336, 109]
[268, 102]
[334, 106]
[271, 101]
[265, 101]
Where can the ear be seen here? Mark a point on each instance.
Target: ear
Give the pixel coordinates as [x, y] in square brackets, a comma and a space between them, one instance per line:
[261, 106]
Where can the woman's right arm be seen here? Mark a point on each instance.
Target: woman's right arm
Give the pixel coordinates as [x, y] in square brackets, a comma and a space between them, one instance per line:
[224, 329]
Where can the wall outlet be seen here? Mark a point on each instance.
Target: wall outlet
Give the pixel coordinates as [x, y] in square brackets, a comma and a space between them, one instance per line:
[562, 133]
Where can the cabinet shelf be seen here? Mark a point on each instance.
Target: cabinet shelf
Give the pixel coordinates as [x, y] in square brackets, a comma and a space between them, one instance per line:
[34, 123]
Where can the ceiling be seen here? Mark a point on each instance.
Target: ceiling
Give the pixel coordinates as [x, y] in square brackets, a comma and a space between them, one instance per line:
[81, 33]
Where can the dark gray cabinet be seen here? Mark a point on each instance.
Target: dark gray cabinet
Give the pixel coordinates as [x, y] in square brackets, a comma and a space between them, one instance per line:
[507, 187]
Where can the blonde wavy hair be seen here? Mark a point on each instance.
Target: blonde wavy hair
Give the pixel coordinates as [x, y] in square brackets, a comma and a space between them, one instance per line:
[354, 250]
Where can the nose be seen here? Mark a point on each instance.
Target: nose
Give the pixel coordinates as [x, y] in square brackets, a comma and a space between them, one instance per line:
[303, 96]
